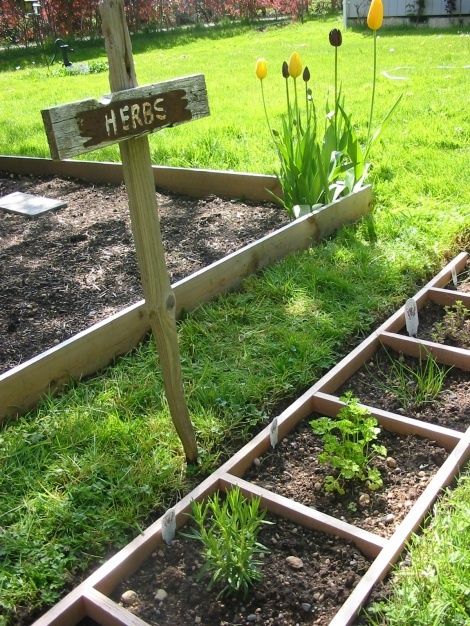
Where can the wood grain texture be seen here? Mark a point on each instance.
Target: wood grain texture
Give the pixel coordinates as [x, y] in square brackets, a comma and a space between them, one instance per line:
[160, 300]
[192, 182]
[86, 125]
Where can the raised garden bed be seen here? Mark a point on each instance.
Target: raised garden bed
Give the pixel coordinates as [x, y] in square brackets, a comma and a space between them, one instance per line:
[93, 348]
[69, 269]
[93, 598]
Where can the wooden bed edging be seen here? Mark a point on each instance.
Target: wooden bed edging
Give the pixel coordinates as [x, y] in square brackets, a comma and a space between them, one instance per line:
[90, 596]
[192, 182]
[94, 348]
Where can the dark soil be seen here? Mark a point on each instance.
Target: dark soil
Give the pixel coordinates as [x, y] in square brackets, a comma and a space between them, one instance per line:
[68, 269]
[285, 596]
[292, 469]
[451, 408]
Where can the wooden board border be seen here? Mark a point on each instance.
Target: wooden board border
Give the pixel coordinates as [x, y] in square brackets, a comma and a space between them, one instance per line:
[192, 182]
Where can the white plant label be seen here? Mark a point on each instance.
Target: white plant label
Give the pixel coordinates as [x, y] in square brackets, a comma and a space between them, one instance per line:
[274, 433]
[454, 277]
[169, 526]
[411, 317]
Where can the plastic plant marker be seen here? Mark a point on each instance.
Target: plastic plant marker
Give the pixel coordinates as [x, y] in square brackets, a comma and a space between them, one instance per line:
[411, 317]
[169, 526]
[274, 433]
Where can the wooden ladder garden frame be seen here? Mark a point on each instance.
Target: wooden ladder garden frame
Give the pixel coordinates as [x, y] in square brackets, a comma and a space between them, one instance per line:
[91, 599]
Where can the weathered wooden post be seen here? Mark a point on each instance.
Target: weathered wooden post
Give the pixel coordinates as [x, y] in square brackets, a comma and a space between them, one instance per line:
[127, 116]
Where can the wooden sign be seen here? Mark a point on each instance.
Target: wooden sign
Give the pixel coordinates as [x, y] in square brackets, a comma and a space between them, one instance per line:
[126, 117]
[90, 124]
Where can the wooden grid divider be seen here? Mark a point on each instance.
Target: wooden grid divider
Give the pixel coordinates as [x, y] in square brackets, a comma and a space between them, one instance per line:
[368, 543]
[419, 348]
[448, 297]
[90, 597]
[108, 613]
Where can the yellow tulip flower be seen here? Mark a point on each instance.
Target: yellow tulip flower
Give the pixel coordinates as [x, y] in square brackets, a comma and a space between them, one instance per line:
[295, 65]
[261, 68]
[375, 17]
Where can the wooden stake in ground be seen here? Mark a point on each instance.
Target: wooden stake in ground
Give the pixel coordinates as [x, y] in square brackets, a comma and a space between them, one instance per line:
[127, 116]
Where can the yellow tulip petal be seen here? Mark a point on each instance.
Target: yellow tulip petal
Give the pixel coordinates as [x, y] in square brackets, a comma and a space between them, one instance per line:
[375, 17]
[295, 65]
[261, 68]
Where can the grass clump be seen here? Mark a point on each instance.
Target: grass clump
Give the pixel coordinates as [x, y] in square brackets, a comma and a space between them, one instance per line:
[415, 384]
[228, 530]
[432, 585]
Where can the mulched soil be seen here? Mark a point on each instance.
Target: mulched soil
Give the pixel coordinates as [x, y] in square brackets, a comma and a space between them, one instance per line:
[292, 469]
[371, 385]
[330, 568]
[68, 269]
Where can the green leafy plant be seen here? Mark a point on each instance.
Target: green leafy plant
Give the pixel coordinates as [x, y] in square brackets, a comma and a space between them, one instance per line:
[228, 529]
[455, 325]
[415, 385]
[348, 446]
[318, 162]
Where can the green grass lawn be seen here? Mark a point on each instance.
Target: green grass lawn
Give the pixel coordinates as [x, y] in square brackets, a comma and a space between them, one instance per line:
[88, 469]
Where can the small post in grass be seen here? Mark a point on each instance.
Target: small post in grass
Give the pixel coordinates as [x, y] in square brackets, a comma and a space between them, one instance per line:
[127, 116]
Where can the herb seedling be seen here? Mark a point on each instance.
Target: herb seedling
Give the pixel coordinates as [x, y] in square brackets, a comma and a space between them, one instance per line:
[455, 325]
[348, 446]
[228, 529]
[416, 385]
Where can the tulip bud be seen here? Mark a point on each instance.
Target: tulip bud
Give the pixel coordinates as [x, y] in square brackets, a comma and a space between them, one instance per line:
[295, 65]
[375, 17]
[306, 74]
[261, 68]
[335, 37]
[285, 70]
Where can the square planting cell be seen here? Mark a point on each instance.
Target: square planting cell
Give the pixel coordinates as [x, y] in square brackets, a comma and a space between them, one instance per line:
[28, 204]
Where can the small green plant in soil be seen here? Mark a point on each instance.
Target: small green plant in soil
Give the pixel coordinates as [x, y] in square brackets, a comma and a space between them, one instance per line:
[228, 529]
[415, 385]
[348, 446]
[455, 325]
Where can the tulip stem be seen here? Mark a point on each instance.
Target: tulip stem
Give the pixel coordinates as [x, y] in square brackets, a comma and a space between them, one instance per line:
[297, 112]
[266, 112]
[336, 97]
[373, 88]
